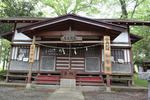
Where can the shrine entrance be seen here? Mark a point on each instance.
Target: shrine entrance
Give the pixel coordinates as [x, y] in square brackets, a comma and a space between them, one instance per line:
[70, 57]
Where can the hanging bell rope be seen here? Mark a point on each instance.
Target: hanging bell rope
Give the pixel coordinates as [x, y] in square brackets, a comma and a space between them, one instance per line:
[66, 47]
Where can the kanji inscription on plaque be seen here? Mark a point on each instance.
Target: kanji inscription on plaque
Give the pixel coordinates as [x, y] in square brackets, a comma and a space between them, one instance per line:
[107, 55]
[32, 51]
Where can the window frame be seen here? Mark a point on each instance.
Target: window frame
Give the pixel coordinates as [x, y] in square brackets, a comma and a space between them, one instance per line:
[117, 54]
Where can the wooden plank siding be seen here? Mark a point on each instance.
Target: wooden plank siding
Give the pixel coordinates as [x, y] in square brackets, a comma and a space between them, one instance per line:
[78, 63]
[75, 63]
[62, 63]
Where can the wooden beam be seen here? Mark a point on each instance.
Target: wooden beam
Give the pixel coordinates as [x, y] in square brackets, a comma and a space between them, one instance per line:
[51, 42]
[31, 64]
[61, 33]
[22, 41]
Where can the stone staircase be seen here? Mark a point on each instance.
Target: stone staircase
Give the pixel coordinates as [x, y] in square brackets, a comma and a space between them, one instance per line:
[70, 83]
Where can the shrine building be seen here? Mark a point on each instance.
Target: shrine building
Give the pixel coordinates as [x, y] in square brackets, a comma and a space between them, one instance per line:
[91, 51]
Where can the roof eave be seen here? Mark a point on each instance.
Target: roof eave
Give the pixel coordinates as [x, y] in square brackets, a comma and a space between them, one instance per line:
[70, 17]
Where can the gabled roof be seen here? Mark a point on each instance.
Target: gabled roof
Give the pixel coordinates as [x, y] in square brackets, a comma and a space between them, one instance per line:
[63, 23]
[7, 35]
[125, 21]
[38, 19]
[135, 38]
[74, 20]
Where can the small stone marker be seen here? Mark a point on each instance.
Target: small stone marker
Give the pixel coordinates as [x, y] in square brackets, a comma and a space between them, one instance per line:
[146, 76]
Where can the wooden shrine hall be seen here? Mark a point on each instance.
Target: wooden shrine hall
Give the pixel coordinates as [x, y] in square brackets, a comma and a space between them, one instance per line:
[91, 51]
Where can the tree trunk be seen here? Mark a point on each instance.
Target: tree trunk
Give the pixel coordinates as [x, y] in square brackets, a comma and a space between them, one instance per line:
[124, 9]
[4, 64]
[7, 62]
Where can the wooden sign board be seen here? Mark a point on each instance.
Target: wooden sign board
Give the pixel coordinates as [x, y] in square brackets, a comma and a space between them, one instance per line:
[68, 74]
[107, 55]
[32, 51]
[70, 38]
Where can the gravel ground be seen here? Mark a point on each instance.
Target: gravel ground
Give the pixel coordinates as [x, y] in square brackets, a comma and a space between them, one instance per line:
[98, 95]
[15, 93]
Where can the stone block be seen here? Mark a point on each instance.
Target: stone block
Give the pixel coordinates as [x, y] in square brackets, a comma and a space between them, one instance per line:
[68, 84]
[144, 75]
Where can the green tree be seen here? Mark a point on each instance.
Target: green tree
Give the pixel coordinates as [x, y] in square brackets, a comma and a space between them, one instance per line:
[139, 10]
[61, 7]
[5, 52]
[126, 8]
[14, 8]
[18, 8]
[141, 49]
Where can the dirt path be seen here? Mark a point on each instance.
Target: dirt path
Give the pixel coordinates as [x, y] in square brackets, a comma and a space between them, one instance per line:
[13, 93]
[98, 95]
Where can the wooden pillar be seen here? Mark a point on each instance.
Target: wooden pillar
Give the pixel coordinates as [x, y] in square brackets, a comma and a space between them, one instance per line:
[107, 60]
[11, 53]
[30, 73]
[31, 60]
[145, 68]
[108, 80]
[130, 51]
[132, 77]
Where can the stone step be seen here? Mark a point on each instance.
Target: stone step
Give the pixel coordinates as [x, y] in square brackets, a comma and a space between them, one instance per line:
[68, 84]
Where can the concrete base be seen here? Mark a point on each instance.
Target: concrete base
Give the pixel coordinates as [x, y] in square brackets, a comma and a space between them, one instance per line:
[108, 89]
[91, 88]
[67, 84]
[53, 87]
[66, 95]
[80, 88]
[133, 83]
[28, 86]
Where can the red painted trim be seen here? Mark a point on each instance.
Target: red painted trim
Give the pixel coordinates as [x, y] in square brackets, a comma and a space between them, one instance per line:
[29, 79]
[108, 83]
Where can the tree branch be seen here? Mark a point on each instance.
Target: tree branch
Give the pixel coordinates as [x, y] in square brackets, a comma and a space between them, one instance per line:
[124, 10]
[136, 5]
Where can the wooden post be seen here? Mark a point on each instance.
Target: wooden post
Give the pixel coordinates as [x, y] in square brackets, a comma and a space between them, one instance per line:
[107, 60]
[31, 60]
[7, 77]
[145, 68]
[30, 73]
[108, 80]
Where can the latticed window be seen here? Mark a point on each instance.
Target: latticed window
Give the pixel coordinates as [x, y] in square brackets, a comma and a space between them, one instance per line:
[62, 51]
[117, 54]
[76, 50]
[48, 51]
[92, 51]
[23, 52]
